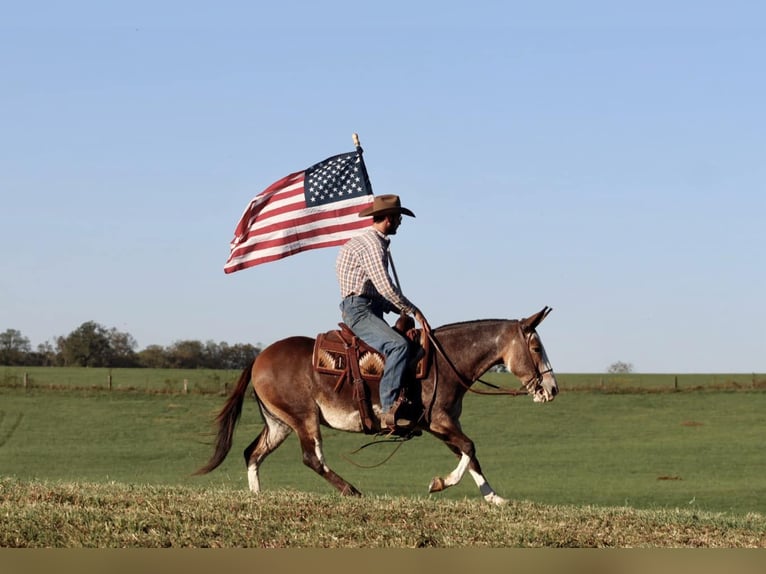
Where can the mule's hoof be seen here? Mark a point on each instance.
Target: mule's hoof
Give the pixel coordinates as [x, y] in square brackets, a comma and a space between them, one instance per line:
[437, 485]
[350, 491]
[495, 499]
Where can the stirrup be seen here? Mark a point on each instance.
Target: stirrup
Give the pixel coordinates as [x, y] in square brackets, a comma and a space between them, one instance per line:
[390, 426]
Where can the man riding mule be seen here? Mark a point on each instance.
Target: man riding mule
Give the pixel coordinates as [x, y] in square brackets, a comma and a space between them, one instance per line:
[367, 293]
[292, 396]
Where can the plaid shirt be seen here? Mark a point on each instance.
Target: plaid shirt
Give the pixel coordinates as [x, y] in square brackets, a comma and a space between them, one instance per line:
[362, 269]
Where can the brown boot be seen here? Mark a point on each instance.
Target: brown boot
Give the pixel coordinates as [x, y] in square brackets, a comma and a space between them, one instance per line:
[391, 422]
[396, 422]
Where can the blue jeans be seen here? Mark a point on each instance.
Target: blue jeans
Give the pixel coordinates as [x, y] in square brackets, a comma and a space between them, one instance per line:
[365, 318]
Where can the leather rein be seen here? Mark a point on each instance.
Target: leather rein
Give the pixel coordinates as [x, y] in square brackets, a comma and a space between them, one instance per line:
[527, 387]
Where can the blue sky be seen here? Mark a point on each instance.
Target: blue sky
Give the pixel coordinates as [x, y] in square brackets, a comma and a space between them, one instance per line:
[602, 158]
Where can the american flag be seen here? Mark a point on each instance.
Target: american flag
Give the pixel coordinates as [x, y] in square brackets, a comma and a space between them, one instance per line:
[309, 209]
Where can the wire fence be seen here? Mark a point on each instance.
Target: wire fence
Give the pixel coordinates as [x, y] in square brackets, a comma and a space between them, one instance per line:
[206, 381]
[170, 381]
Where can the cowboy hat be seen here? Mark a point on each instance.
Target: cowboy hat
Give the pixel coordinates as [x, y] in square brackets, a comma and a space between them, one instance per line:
[385, 205]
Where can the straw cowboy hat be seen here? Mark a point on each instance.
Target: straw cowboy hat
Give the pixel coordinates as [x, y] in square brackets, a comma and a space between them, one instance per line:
[385, 205]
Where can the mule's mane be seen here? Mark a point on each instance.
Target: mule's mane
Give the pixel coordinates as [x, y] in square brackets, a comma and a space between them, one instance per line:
[475, 323]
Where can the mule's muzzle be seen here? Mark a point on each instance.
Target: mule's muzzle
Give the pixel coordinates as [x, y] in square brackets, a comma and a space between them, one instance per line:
[543, 396]
[546, 389]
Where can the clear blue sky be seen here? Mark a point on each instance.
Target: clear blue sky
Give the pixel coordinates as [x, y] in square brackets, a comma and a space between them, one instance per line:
[603, 158]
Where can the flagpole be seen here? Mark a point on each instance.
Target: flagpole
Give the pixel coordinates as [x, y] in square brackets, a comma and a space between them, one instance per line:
[359, 153]
[358, 146]
[403, 316]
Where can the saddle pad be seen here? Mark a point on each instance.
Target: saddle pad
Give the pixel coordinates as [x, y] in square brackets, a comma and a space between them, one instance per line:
[331, 356]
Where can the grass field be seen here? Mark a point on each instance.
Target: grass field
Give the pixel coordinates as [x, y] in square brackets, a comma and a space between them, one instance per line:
[649, 450]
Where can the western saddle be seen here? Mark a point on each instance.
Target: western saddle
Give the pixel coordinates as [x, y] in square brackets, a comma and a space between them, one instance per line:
[344, 355]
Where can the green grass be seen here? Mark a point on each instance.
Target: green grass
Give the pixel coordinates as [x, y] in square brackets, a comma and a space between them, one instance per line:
[696, 451]
[113, 515]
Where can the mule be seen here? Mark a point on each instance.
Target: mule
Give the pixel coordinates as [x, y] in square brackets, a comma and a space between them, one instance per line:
[293, 396]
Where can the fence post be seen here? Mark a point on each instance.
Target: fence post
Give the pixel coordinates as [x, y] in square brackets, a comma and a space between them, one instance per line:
[26, 379]
[109, 380]
[675, 383]
[186, 386]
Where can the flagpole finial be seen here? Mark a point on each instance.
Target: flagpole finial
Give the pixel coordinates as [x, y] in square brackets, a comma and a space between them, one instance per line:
[356, 140]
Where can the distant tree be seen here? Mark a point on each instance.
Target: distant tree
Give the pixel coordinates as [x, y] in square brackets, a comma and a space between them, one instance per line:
[153, 357]
[186, 355]
[620, 368]
[238, 356]
[45, 356]
[122, 346]
[86, 346]
[14, 348]
[212, 353]
[93, 345]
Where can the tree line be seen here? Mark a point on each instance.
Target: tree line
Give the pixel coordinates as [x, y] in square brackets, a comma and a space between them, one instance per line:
[93, 345]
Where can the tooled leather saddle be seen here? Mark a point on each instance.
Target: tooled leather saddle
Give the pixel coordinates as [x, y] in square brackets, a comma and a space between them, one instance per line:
[341, 353]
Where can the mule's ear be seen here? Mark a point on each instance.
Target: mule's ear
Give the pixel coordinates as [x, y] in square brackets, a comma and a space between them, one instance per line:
[531, 323]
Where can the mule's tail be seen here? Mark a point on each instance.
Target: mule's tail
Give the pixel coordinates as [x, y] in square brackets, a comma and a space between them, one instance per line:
[227, 421]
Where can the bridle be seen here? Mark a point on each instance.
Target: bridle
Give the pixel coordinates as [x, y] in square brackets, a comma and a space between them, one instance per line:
[528, 387]
[536, 380]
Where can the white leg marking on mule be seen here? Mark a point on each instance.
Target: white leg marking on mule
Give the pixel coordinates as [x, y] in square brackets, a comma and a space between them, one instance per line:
[486, 490]
[319, 453]
[252, 478]
[456, 475]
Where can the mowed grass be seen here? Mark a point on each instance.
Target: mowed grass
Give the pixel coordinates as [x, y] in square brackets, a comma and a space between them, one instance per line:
[697, 451]
[114, 515]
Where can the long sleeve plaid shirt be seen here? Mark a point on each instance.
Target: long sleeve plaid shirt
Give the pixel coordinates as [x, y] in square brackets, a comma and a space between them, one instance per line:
[362, 269]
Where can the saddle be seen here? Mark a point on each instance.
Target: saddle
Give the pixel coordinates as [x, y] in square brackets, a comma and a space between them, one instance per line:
[342, 354]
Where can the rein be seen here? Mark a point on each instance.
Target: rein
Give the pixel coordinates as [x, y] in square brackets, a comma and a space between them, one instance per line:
[532, 383]
[467, 383]
[398, 441]
[528, 385]
[536, 379]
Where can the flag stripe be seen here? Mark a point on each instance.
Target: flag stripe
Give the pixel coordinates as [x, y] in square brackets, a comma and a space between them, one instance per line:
[257, 260]
[268, 205]
[289, 235]
[259, 256]
[278, 222]
[277, 226]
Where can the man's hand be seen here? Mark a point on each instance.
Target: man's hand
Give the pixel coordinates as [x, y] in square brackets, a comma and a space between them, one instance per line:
[422, 320]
